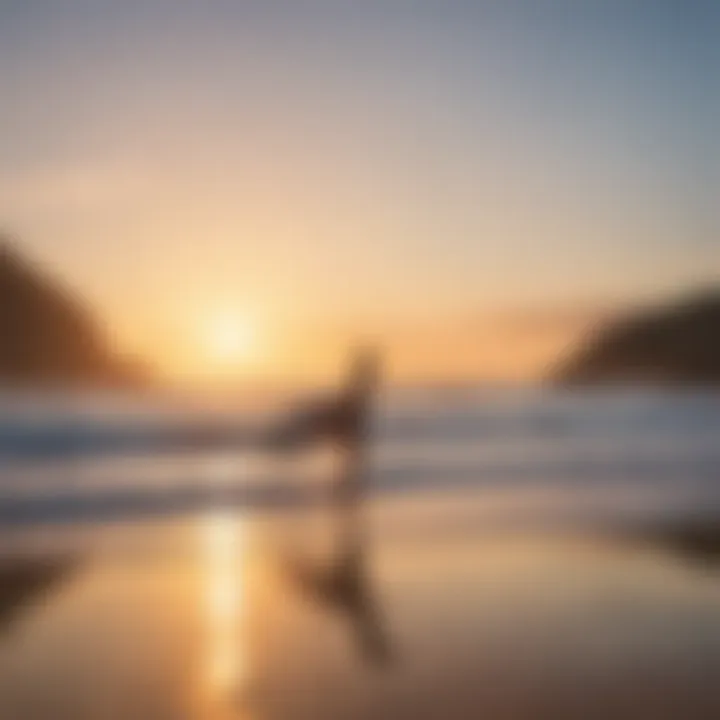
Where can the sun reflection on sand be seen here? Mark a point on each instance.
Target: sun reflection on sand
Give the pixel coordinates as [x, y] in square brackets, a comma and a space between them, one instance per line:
[225, 669]
[224, 600]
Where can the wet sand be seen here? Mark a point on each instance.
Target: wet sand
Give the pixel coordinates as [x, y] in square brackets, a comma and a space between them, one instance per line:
[206, 618]
[24, 581]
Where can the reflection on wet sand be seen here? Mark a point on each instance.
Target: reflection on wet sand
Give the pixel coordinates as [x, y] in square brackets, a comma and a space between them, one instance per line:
[694, 542]
[523, 627]
[224, 606]
[23, 581]
[342, 584]
[222, 543]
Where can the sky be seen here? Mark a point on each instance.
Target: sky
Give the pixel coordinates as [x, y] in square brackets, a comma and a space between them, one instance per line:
[468, 183]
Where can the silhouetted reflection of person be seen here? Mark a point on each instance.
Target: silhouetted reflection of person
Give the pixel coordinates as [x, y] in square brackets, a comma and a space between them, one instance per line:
[23, 582]
[343, 584]
[696, 542]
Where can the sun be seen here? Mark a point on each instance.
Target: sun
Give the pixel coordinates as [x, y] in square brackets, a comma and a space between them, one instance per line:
[230, 338]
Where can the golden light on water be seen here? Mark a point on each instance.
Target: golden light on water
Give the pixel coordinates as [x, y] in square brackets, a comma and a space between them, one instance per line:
[224, 601]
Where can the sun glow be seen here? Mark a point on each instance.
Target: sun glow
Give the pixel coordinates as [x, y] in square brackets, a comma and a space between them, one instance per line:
[231, 338]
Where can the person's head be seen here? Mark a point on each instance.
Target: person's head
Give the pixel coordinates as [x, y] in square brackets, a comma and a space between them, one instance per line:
[364, 373]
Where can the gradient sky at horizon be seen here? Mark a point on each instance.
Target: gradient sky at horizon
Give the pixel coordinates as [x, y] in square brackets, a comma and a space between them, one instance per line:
[331, 169]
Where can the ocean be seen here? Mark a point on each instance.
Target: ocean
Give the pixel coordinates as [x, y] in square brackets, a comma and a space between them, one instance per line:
[625, 452]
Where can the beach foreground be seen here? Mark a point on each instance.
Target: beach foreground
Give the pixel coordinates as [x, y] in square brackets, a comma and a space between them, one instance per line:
[205, 618]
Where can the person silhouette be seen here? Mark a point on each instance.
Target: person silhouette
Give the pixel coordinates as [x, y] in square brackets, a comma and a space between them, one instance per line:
[342, 584]
[341, 420]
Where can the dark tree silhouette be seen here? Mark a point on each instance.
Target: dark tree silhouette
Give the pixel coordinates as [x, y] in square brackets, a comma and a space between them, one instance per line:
[47, 335]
